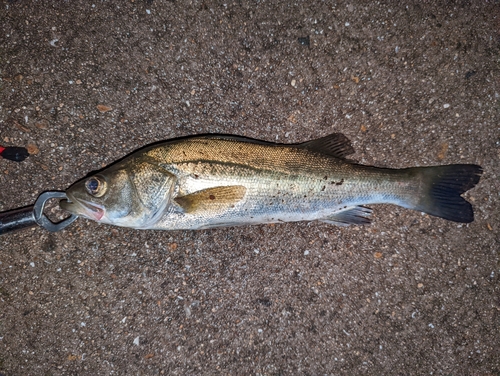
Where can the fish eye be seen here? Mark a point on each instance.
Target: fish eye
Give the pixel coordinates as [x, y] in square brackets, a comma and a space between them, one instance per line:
[95, 186]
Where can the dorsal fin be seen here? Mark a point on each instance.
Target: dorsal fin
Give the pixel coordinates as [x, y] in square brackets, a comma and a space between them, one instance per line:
[335, 145]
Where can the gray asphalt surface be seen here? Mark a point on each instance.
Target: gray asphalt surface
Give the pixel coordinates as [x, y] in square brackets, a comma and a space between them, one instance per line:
[411, 83]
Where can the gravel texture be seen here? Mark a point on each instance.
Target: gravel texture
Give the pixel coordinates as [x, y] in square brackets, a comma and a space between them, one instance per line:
[411, 83]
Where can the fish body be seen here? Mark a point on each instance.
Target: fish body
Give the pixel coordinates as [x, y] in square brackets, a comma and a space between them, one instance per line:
[212, 181]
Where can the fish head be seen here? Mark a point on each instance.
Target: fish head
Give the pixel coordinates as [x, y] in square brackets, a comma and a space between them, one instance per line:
[132, 194]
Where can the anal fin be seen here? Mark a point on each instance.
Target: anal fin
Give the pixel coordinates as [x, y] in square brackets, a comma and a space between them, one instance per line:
[356, 215]
[211, 199]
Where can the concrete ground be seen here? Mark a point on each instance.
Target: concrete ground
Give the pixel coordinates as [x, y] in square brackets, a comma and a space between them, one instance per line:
[409, 82]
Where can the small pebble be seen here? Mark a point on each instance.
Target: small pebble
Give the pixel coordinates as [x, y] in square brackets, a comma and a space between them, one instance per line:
[305, 41]
[469, 74]
[42, 124]
[136, 341]
[103, 108]
[443, 150]
[446, 105]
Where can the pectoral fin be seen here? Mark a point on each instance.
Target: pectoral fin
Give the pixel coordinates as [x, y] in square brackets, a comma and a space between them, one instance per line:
[357, 215]
[212, 199]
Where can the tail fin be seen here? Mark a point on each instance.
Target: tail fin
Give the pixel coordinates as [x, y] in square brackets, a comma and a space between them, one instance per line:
[442, 187]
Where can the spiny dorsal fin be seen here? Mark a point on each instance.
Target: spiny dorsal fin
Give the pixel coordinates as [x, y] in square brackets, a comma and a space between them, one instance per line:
[357, 215]
[336, 145]
[214, 199]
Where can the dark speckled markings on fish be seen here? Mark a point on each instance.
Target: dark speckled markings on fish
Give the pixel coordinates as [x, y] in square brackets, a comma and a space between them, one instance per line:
[214, 180]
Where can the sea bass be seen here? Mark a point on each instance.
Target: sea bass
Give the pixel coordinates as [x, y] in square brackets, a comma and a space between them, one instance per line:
[211, 181]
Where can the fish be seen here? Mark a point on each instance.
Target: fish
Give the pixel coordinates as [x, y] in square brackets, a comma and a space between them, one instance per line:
[210, 181]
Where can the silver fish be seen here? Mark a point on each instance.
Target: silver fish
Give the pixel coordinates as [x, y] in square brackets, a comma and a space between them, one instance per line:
[210, 181]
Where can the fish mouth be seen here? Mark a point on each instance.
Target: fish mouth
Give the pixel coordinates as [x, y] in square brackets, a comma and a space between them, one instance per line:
[82, 208]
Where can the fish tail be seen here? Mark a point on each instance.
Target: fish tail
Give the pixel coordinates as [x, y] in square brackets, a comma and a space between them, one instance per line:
[442, 187]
